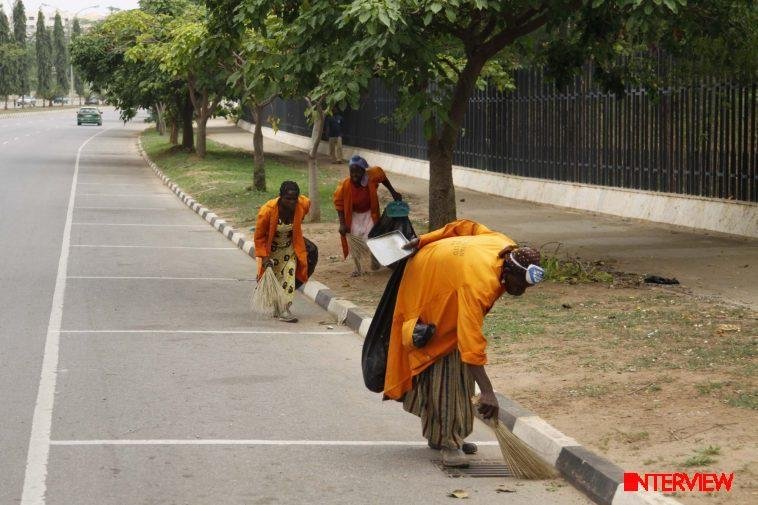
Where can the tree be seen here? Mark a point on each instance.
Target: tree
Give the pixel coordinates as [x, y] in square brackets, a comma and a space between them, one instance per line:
[129, 83]
[19, 34]
[255, 69]
[44, 49]
[437, 52]
[186, 55]
[313, 46]
[60, 57]
[10, 59]
[76, 32]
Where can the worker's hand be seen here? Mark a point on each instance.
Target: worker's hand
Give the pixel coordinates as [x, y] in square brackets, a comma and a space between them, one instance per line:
[506, 251]
[488, 405]
[397, 196]
[344, 230]
[412, 244]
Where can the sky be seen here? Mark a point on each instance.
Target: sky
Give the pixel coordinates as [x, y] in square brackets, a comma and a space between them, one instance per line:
[71, 5]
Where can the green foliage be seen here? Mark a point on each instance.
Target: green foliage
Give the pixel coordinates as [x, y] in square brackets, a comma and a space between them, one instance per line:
[76, 32]
[5, 29]
[21, 77]
[44, 51]
[60, 56]
[129, 81]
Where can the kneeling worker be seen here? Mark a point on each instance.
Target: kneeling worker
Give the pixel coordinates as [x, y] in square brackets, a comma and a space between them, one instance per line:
[452, 282]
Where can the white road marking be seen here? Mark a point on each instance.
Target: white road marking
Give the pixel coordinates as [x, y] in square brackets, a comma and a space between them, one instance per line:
[203, 226]
[131, 208]
[39, 442]
[215, 332]
[155, 277]
[130, 195]
[155, 247]
[320, 443]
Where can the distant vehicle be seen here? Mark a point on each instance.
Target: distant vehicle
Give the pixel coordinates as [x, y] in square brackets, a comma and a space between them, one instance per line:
[90, 115]
[61, 100]
[92, 100]
[26, 101]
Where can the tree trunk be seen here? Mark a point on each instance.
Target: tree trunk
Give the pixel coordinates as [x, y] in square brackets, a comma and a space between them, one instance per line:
[188, 141]
[202, 121]
[174, 136]
[442, 207]
[313, 194]
[259, 169]
[160, 118]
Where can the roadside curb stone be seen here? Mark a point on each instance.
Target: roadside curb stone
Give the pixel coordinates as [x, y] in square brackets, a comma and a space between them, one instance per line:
[598, 478]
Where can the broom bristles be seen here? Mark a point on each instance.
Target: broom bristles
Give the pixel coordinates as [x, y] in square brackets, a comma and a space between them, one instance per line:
[358, 247]
[517, 455]
[268, 296]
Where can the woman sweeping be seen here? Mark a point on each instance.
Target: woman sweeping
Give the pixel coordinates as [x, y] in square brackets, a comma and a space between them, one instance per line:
[357, 205]
[279, 243]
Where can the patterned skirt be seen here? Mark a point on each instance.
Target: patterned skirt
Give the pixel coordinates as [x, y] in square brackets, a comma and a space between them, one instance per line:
[441, 397]
[284, 259]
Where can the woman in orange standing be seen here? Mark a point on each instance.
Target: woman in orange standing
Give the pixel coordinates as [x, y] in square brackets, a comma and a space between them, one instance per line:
[279, 242]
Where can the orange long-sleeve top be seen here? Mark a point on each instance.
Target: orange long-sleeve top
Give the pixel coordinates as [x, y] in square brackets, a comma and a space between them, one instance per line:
[265, 230]
[452, 282]
[343, 199]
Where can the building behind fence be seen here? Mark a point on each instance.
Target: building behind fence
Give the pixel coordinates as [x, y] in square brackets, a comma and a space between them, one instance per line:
[698, 139]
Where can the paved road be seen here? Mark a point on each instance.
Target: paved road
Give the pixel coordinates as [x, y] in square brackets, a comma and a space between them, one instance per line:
[133, 372]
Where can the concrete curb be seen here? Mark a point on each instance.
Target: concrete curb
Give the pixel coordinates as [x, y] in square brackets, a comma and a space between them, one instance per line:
[601, 480]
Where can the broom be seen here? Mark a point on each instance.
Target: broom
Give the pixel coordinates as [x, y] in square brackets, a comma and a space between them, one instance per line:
[358, 249]
[517, 455]
[268, 296]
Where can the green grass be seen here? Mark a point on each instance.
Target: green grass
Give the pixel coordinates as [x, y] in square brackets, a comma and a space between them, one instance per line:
[702, 457]
[221, 181]
[744, 400]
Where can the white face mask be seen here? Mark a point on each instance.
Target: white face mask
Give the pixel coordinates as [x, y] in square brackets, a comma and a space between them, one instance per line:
[534, 273]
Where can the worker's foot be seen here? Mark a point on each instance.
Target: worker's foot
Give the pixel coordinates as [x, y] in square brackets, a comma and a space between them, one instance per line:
[454, 458]
[467, 447]
[356, 273]
[287, 317]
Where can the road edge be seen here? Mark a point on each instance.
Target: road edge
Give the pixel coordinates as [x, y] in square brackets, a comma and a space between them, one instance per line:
[598, 478]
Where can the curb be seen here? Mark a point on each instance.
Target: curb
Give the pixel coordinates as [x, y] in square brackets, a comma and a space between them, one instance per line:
[601, 480]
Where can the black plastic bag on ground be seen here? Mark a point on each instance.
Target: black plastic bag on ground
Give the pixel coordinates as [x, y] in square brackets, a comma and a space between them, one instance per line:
[311, 251]
[376, 345]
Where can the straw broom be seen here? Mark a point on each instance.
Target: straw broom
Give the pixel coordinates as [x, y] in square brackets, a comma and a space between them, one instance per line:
[517, 455]
[358, 247]
[268, 296]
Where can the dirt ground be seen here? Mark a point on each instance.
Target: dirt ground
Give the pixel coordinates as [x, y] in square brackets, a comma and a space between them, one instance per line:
[655, 378]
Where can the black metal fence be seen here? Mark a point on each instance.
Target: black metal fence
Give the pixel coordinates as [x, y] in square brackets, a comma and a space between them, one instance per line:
[698, 139]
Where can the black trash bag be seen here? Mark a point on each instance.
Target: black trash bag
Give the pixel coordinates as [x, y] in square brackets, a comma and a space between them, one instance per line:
[387, 224]
[376, 345]
[311, 251]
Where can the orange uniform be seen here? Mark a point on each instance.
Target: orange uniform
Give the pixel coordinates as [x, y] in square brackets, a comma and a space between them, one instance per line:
[265, 229]
[451, 282]
[343, 199]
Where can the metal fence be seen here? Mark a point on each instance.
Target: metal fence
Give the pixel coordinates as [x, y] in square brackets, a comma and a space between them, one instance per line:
[698, 139]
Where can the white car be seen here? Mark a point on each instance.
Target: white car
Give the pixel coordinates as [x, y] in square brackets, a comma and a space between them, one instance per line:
[24, 101]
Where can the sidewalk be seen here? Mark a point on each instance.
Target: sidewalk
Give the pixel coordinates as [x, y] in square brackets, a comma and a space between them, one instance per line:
[705, 262]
